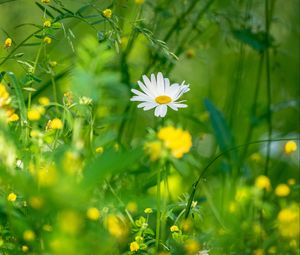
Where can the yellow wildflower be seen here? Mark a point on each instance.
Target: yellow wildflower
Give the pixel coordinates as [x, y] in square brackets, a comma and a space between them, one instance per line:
[4, 96]
[28, 235]
[263, 182]
[290, 147]
[44, 101]
[55, 124]
[13, 117]
[47, 23]
[148, 210]
[154, 149]
[8, 42]
[282, 190]
[93, 213]
[174, 228]
[256, 157]
[258, 252]
[47, 176]
[291, 181]
[47, 40]
[116, 227]
[11, 197]
[190, 53]
[99, 150]
[45, 1]
[25, 248]
[70, 222]
[192, 246]
[288, 221]
[134, 246]
[107, 13]
[34, 114]
[139, 1]
[36, 202]
[132, 207]
[175, 139]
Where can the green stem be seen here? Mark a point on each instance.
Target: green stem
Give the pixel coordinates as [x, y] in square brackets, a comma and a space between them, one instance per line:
[54, 91]
[33, 72]
[158, 200]
[268, 81]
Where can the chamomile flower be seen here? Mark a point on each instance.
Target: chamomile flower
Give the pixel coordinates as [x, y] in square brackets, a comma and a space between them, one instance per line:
[158, 93]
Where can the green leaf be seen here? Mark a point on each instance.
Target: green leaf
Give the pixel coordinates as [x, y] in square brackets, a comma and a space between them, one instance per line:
[220, 127]
[258, 41]
[109, 163]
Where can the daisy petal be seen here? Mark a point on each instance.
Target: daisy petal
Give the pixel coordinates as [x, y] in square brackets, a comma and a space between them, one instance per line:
[180, 105]
[160, 84]
[145, 89]
[157, 111]
[163, 110]
[173, 106]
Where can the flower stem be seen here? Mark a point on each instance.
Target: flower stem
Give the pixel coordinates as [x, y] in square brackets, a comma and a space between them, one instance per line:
[158, 197]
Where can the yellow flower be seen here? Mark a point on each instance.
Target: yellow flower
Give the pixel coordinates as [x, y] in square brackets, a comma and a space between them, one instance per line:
[258, 252]
[116, 227]
[263, 182]
[44, 101]
[132, 207]
[34, 114]
[290, 147]
[47, 176]
[148, 210]
[36, 202]
[139, 1]
[4, 96]
[28, 235]
[55, 124]
[291, 181]
[174, 228]
[99, 150]
[256, 157]
[12, 197]
[272, 250]
[45, 1]
[8, 42]
[47, 23]
[70, 222]
[192, 246]
[93, 213]
[175, 139]
[14, 117]
[154, 149]
[282, 190]
[25, 248]
[134, 246]
[47, 39]
[190, 53]
[288, 221]
[107, 13]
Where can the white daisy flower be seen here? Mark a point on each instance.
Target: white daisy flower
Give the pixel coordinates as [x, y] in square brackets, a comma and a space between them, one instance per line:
[158, 93]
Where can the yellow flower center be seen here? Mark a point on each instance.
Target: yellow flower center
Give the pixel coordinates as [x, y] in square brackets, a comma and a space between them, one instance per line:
[163, 99]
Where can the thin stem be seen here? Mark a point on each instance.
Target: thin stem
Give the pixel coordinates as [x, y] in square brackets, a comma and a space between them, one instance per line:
[33, 72]
[158, 201]
[268, 80]
[54, 91]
